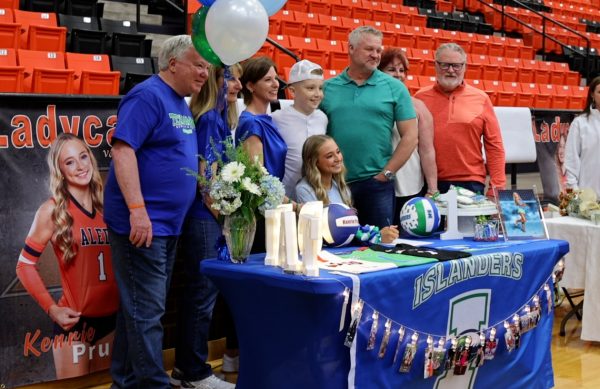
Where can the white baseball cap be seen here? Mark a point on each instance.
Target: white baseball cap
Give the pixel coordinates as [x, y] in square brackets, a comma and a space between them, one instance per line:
[305, 70]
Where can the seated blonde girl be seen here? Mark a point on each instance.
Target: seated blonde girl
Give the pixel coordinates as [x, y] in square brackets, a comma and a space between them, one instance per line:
[323, 177]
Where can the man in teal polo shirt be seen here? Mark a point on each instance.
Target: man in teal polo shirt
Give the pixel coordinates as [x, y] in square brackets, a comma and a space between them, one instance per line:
[364, 107]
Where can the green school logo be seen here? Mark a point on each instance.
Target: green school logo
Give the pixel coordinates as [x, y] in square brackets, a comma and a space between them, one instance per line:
[468, 314]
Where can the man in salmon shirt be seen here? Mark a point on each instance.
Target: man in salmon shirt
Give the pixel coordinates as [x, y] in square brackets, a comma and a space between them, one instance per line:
[463, 118]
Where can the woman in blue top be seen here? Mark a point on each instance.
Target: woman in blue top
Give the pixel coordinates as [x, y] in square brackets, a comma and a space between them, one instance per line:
[215, 112]
[256, 131]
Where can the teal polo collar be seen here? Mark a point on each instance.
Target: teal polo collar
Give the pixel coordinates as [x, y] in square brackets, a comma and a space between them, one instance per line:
[344, 78]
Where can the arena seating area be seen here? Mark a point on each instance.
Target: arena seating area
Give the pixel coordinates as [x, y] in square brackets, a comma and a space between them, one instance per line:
[67, 46]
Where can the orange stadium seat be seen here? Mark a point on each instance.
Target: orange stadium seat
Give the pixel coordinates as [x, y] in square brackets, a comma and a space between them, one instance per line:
[426, 59]
[543, 98]
[507, 95]
[412, 84]
[359, 11]
[475, 66]
[307, 48]
[295, 5]
[340, 9]
[312, 26]
[45, 72]
[426, 81]
[281, 59]
[6, 15]
[543, 71]
[527, 69]
[337, 31]
[527, 95]
[92, 74]
[14, 4]
[288, 25]
[337, 53]
[10, 35]
[318, 7]
[578, 97]
[476, 46]
[492, 88]
[494, 48]
[560, 96]
[40, 31]
[11, 75]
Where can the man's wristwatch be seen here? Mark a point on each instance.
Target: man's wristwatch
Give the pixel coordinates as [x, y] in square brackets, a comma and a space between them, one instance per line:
[389, 175]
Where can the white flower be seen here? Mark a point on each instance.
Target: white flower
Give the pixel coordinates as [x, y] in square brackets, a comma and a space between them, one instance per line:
[250, 186]
[264, 170]
[232, 172]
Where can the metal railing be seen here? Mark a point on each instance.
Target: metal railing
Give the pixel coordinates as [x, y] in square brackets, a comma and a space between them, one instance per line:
[545, 19]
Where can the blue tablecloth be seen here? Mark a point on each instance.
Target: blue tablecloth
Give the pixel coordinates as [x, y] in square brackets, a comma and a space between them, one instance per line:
[288, 325]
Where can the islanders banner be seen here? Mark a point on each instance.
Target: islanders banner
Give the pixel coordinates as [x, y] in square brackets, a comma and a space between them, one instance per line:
[31, 348]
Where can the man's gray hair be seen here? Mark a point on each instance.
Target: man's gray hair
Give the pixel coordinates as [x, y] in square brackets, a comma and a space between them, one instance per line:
[174, 47]
[356, 35]
[451, 46]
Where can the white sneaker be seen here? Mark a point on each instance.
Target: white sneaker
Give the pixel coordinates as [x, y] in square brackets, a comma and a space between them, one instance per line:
[230, 364]
[210, 382]
[176, 377]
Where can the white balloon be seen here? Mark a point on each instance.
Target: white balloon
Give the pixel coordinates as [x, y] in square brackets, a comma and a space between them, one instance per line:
[236, 29]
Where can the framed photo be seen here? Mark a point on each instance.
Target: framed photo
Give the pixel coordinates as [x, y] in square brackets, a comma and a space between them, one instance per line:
[520, 214]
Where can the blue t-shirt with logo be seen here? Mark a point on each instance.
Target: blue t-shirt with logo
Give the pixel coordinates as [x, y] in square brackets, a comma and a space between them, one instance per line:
[158, 124]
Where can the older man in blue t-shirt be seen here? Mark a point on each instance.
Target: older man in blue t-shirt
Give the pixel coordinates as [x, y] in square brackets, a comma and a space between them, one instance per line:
[147, 195]
[362, 105]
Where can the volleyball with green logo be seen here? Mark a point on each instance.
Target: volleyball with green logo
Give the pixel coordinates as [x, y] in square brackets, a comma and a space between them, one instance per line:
[420, 217]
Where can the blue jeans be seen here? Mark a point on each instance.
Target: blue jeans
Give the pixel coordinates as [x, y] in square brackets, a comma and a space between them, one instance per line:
[374, 201]
[199, 295]
[143, 275]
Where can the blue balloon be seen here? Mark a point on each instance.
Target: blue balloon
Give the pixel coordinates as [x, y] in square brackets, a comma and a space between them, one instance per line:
[207, 3]
[272, 6]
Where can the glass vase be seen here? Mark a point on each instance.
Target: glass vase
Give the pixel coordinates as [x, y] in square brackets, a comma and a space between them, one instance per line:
[239, 236]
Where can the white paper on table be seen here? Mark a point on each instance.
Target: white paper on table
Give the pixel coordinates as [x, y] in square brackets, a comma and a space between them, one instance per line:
[411, 242]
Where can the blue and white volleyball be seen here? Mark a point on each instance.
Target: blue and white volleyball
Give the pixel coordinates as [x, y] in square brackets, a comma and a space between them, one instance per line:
[340, 224]
[419, 216]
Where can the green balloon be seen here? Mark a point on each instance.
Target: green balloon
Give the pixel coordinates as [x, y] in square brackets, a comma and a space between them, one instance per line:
[199, 37]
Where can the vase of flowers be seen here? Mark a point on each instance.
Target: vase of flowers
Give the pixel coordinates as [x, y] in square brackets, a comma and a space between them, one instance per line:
[239, 236]
[241, 187]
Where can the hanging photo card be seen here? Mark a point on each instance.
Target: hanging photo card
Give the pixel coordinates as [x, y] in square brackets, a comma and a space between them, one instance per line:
[520, 214]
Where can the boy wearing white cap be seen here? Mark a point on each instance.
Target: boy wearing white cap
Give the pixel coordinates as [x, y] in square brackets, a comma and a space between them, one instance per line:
[301, 119]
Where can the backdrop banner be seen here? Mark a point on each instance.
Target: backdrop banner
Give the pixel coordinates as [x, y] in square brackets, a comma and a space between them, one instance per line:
[28, 124]
[550, 131]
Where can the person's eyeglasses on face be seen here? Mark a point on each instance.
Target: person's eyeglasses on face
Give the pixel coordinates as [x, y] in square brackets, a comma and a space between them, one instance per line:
[447, 65]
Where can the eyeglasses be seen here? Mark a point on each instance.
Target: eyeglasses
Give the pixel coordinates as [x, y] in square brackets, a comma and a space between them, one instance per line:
[446, 65]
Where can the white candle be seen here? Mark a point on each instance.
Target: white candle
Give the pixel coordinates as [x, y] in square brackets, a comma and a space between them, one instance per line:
[292, 264]
[282, 208]
[272, 236]
[312, 240]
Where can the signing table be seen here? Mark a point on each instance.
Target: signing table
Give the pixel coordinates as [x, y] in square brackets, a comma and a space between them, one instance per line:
[582, 266]
[289, 325]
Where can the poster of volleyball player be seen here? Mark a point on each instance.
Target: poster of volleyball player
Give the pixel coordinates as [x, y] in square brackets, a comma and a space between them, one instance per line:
[47, 332]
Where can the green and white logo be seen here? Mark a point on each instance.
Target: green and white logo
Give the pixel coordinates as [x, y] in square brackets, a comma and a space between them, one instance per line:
[468, 314]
